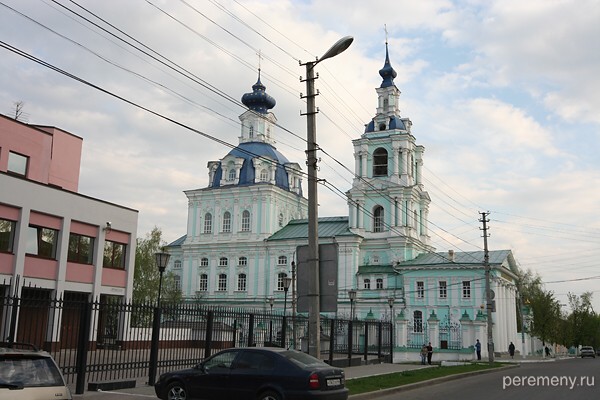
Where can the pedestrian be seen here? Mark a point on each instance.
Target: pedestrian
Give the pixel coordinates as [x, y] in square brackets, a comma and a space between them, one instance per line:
[547, 350]
[478, 349]
[429, 353]
[423, 354]
[511, 350]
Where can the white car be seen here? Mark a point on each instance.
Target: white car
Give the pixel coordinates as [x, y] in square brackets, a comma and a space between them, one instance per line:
[587, 351]
[28, 373]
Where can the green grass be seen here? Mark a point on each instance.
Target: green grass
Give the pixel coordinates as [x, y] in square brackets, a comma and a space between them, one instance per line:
[374, 383]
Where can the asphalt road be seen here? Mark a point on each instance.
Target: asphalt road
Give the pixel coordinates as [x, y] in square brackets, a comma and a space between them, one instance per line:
[569, 379]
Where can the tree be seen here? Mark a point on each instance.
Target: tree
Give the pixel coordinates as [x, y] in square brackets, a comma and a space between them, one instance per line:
[583, 320]
[146, 275]
[546, 315]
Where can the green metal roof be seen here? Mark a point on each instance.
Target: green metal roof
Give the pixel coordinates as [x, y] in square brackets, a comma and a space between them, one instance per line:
[328, 227]
[496, 257]
[375, 269]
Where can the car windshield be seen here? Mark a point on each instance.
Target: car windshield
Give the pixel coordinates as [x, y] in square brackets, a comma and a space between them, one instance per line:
[22, 371]
[302, 359]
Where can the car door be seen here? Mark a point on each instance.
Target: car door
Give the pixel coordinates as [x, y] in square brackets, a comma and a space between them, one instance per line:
[213, 380]
[252, 370]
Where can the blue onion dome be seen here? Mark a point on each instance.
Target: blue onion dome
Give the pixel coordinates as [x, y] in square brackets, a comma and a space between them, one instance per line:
[387, 72]
[258, 100]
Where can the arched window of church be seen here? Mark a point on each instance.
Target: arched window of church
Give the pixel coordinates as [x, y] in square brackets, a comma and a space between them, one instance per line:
[177, 280]
[203, 283]
[232, 175]
[280, 277]
[227, 222]
[222, 283]
[282, 260]
[241, 282]
[246, 221]
[382, 127]
[380, 162]
[264, 175]
[378, 219]
[204, 262]
[223, 262]
[251, 132]
[418, 321]
[367, 284]
[208, 223]
[386, 103]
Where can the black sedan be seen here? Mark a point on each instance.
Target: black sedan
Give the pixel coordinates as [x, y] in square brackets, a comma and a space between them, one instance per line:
[255, 373]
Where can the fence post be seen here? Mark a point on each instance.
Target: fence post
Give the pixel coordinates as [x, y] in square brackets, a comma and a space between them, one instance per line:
[13, 319]
[379, 339]
[83, 346]
[235, 332]
[154, 347]
[332, 340]
[392, 341]
[208, 338]
[350, 340]
[251, 331]
[366, 349]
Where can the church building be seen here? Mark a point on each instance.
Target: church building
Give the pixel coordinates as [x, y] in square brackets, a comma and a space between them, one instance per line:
[244, 230]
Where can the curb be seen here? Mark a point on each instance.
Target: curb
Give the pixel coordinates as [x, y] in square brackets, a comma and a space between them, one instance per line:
[416, 385]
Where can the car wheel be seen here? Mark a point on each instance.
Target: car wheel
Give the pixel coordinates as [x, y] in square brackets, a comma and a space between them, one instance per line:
[269, 395]
[176, 391]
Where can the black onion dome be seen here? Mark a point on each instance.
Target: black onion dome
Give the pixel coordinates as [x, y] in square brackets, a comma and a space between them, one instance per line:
[387, 72]
[258, 100]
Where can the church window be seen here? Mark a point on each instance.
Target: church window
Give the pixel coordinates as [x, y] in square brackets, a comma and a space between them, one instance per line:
[466, 289]
[177, 280]
[203, 283]
[177, 264]
[379, 283]
[282, 260]
[223, 262]
[378, 219]
[367, 283]
[280, 219]
[264, 175]
[382, 127]
[420, 289]
[280, 285]
[251, 132]
[227, 222]
[204, 262]
[242, 261]
[380, 162]
[386, 104]
[231, 174]
[222, 284]
[443, 290]
[208, 223]
[418, 321]
[241, 283]
[246, 221]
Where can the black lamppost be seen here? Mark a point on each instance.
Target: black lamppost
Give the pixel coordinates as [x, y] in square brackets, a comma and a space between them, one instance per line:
[162, 259]
[391, 304]
[352, 296]
[271, 302]
[287, 281]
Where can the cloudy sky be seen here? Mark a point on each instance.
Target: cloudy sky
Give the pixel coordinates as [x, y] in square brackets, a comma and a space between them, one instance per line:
[504, 95]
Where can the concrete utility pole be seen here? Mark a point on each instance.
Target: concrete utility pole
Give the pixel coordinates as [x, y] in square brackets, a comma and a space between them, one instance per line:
[488, 291]
[314, 312]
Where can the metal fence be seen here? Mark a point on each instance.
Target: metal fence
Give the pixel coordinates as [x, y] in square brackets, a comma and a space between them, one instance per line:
[107, 340]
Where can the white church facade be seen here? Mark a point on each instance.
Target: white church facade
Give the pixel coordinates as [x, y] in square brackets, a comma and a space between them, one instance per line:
[244, 228]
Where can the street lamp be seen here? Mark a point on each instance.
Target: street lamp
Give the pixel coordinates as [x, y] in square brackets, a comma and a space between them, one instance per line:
[352, 296]
[313, 230]
[271, 302]
[391, 304]
[162, 259]
[287, 281]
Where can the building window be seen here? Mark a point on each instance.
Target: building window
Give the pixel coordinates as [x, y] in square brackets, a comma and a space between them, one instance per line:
[7, 235]
[203, 283]
[222, 282]
[251, 132]
[208, 223]
[246, 221]
[380, 162]
[420, 289]
[280, 221]
[418, 321]
[114, 255]
[379, 283]
[204, 262]
[241, 282]
[242, 261]
[177, 264]
[367, 284]
[282, 260]
[232, 175]
[227, 222]
[264, 175]
[378, 219]
[17, 164]
[42, 242]
[81, 249]
[223, 262]
[177, 280]
[443, 290]
[280, 277]
[466, 289]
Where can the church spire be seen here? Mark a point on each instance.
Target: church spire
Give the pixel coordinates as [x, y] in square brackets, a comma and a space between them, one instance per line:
[387, 72]
[258, 100]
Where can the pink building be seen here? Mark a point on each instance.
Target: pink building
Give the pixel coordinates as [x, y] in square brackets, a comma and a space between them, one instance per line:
[55, 242]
